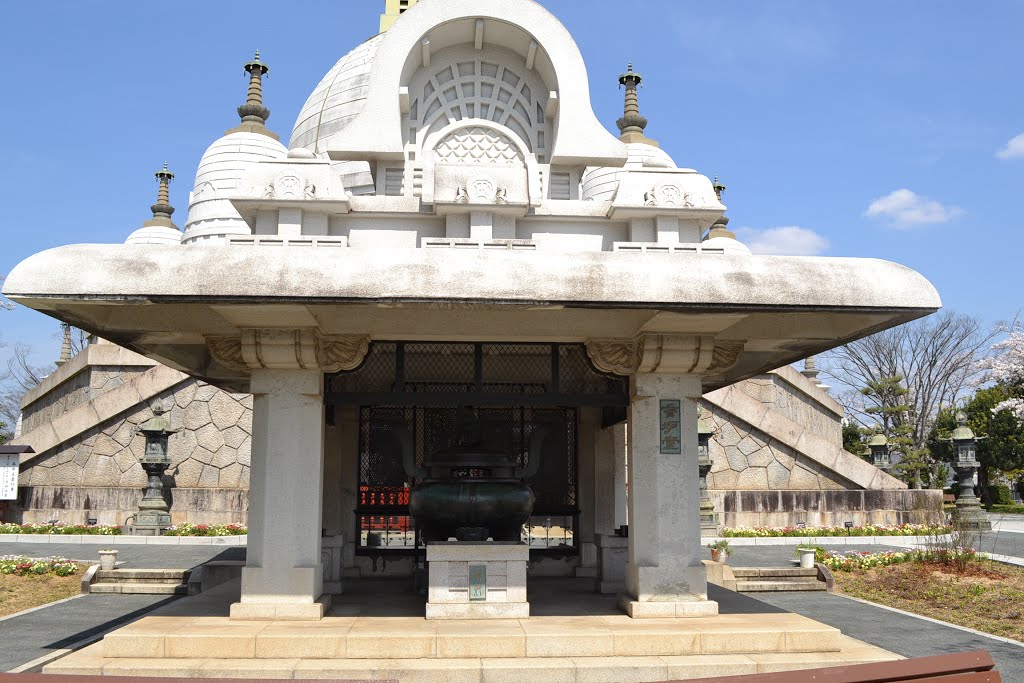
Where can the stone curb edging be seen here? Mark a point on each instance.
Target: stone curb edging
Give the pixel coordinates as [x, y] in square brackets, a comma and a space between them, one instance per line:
[97, 539]
[828, 540]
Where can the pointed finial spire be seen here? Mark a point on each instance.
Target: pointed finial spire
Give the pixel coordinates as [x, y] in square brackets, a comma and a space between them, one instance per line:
[720, 228]
[254, 114]
[632, 123]
[810, 370]
[718, 187]
[65, 347]
[162, 210]
[253, 110]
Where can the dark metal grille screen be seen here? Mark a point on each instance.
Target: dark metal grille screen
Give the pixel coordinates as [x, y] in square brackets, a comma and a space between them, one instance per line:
[515, 389]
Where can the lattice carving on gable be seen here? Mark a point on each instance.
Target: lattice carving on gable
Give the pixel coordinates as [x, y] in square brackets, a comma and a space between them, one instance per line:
[465, 88]
[477, 145]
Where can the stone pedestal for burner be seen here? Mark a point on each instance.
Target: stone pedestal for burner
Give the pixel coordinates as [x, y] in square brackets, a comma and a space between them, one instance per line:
[477, 580]
[612, 553]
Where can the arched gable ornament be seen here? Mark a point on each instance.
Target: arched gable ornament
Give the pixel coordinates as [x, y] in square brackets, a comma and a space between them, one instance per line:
[376, 131]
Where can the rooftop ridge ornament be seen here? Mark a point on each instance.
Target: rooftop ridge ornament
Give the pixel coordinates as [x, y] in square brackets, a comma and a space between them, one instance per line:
[254, 115]
[162, 210]
[632, 123]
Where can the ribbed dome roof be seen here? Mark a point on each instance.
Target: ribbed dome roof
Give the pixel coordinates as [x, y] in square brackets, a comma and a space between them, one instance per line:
[337, 99]
[600, 183]
[211, 217]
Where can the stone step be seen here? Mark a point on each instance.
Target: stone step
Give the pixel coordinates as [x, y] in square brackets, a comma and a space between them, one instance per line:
[141, 575]
[794, 572]
[641, 668]
[148, 588]
[536, 637]
[776, 586]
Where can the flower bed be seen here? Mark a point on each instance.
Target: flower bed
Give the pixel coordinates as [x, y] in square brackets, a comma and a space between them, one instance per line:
[820, 531]
[20, 565]
[59, 528]
[186, 529]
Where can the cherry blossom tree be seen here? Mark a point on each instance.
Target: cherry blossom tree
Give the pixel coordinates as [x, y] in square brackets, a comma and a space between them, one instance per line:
[1007, 368]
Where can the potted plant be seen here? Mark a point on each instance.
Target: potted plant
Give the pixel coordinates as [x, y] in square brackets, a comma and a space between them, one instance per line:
[720, 550]
[806, 553]
[108, 558]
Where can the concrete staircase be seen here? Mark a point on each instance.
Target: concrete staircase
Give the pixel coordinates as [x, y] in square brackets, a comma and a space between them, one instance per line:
[776, 579]
[141, 581]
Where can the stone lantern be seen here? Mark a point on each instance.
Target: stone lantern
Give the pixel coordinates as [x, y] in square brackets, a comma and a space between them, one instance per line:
[879, 446]
[968, 514]
[708, 516]
[153, 515]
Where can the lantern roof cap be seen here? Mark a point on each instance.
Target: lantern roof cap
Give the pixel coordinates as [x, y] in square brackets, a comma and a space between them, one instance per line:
[158, 424]
[962, 432]
[878, 440]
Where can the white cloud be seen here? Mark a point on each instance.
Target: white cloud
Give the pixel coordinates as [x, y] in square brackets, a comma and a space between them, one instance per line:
[788, 240]
[1014, 149]
[905, 209]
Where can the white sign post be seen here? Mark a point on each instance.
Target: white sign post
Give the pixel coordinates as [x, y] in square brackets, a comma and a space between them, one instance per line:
[9, 476]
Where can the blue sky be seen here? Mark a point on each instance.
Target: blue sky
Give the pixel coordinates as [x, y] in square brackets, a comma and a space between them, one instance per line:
[875, 128]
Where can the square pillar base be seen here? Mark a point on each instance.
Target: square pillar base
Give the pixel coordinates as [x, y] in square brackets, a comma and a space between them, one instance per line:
[663, 610]
[268, 611]
[470, 580]
[612, 552]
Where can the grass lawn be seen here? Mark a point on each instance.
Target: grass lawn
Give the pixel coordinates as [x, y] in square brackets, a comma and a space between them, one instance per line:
[987, 596]
[22, 592]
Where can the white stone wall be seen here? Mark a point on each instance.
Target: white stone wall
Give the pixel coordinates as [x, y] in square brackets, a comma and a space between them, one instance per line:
[745, 458]
[97, 474]
[77, 390]
[804, 410]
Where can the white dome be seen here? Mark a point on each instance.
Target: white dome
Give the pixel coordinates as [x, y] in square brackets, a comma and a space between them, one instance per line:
[600, 183]
[155, 234]
[729, 246]
[211, 217]
[337, 99]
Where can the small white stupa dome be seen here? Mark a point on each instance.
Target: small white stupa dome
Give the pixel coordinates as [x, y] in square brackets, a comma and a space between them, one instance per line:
[159, 229]
[211, 216]
[600, 182]
[154, 234]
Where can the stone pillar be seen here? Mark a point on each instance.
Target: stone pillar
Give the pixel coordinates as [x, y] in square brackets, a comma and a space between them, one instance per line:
[664, 573]
[283, 576]
[588, 496]
[620, 436]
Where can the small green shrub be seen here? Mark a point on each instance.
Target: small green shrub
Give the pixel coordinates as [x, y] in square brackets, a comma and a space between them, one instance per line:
[1001, 495]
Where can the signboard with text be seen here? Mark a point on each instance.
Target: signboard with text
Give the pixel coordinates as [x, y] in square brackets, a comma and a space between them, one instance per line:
[9, 475]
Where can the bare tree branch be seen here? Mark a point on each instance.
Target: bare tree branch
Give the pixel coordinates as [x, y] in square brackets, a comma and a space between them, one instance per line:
[936, 357]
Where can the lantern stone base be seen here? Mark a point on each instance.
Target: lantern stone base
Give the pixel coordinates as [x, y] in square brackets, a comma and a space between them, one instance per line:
[971, 518]
[477, 580]
[150, 523]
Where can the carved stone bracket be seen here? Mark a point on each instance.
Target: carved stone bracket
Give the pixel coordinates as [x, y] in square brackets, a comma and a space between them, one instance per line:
[300, 349]
[335, 353]
[669, 353]
[227, 351]
[617, 356]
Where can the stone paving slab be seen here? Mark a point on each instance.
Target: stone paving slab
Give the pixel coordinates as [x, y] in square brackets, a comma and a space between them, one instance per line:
[595, 669]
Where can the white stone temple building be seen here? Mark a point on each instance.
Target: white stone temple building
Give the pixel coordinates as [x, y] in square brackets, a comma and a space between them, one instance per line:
[449, 225]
